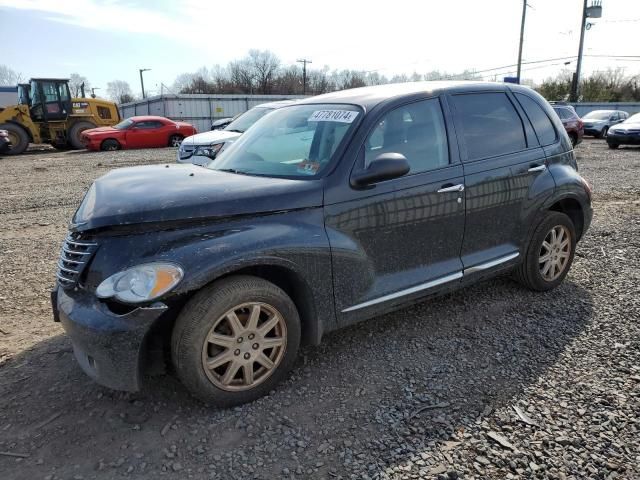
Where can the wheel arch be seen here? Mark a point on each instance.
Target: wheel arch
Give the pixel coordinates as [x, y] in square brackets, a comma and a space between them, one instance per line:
[572, 208]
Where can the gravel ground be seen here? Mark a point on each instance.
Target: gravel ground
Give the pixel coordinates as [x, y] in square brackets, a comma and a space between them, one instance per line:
[493, 381]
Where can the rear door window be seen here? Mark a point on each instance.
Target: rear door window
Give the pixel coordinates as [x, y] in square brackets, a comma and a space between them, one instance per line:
[541, 122]
[490, 124]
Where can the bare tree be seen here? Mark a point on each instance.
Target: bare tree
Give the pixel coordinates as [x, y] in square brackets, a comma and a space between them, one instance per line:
[75, 84]
[119, 91]
[241, 76]
[265, 66]
[9, 76]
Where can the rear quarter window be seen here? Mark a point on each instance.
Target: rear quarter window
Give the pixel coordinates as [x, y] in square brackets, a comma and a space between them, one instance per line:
[542, 124]
[490, 123]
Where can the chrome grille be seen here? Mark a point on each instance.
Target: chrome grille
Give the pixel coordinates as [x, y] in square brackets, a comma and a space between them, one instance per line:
[74, 257]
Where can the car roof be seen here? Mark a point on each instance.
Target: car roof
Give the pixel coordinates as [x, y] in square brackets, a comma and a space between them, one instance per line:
[143, 118]
[369, 97]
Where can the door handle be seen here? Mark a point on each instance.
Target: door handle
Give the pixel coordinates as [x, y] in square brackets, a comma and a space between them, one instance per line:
[452, 188]
[539, 168]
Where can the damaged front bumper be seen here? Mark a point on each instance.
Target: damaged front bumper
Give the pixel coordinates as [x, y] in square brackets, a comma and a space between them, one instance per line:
[108, 347]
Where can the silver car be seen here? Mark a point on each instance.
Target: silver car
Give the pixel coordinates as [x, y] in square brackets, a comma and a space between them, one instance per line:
[598, 122]
[201, 148]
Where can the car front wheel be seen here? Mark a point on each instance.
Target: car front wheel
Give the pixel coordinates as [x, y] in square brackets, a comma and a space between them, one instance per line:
[549, 254]
[235, 340]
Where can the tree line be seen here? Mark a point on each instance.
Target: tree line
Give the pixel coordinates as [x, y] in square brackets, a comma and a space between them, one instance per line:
[262, 72]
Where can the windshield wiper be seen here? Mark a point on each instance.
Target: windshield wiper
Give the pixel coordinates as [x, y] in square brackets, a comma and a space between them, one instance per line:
[235, 130]
[231, 170]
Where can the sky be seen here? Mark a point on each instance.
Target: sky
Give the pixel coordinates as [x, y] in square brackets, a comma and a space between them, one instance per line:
[111, 39]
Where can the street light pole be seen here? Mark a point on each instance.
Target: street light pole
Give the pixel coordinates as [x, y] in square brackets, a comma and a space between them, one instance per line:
[576, 79]
[304, 62]
[142, 81]
[524, 15]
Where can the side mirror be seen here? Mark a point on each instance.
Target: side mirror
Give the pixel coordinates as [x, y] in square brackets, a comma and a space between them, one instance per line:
[386, 166]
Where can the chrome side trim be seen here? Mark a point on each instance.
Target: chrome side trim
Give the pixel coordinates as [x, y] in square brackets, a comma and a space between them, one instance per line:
[74, 252]
[407, 291]
[492, 263]
[539, 168]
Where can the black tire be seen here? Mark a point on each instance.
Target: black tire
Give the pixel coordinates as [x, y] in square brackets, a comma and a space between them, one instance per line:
[613, 146]
[196, 323]
[75, 134]
[528, 273]
[19, 138]
[603, 133]
[110, 145]
[574, 139]
[175, 140]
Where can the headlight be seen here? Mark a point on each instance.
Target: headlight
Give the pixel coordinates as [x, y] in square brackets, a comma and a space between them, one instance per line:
[142, 283]
[209, 150]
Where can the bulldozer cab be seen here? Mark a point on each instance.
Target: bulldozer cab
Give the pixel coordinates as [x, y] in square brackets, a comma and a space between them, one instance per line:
[24, 96]
[50, 99]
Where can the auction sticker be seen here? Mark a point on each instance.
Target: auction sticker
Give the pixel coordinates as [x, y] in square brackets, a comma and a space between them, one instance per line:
[343, 116]
[308, 167]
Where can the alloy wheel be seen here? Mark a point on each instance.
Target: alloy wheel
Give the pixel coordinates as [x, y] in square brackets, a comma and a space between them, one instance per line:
[555, 253]
[244, 346]
[176, 141]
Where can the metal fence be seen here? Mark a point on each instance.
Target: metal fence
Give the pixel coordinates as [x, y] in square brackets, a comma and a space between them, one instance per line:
[583, 108]
[201, 110]
[198, 109]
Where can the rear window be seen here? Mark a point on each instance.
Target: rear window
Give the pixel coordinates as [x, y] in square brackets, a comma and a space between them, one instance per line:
[541, 122]
[490, 123]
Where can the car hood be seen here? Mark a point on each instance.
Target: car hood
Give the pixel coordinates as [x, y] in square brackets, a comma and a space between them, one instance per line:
[626, 126]
[100, 130]
[166, 193]
[213, 136]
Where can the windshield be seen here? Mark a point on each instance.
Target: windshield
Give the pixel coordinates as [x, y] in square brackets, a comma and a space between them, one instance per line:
[123, 125]
[291, 142]
[633, 119]
[244, 121]
[598, 115]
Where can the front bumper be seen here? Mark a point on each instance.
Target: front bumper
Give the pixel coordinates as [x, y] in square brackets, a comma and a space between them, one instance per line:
[108, 347]
[623, 139]
[593, 131]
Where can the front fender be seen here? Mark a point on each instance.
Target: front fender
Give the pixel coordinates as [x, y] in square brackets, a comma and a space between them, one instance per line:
[295, 242]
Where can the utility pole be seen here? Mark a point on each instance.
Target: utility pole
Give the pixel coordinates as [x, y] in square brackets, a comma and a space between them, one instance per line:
[524, 15]
[593, 11]
[576, 78]
[304, 62]
[142, 81]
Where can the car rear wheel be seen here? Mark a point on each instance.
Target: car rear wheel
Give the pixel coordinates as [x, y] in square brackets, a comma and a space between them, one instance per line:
[175, 140]
[574, 139]
[549, 254]
[110, 145]
[18, 137]
[235, 340]
[75, 134]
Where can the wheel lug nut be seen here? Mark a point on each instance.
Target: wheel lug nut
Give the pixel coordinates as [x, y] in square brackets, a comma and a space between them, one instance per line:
[251, 336]
[239, 339]
[237, 352]
[246, 356]
[255, 346]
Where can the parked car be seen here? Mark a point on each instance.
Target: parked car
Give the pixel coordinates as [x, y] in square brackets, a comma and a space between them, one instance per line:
[571, 121]
[625, 133]
[5, 141]
[200, 149]
[221, 123]
[138, 132]
[327, 212]
[598, 122]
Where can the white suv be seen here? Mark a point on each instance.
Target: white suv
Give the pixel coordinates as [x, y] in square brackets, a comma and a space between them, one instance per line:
[201, 148]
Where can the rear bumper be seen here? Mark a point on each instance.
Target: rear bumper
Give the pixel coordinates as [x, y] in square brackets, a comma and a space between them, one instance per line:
[108, 347]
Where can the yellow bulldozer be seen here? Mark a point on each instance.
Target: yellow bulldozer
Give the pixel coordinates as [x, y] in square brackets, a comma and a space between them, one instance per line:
[46, 113]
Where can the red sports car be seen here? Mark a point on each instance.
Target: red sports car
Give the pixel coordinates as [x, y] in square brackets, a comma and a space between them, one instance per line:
[138, 132]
